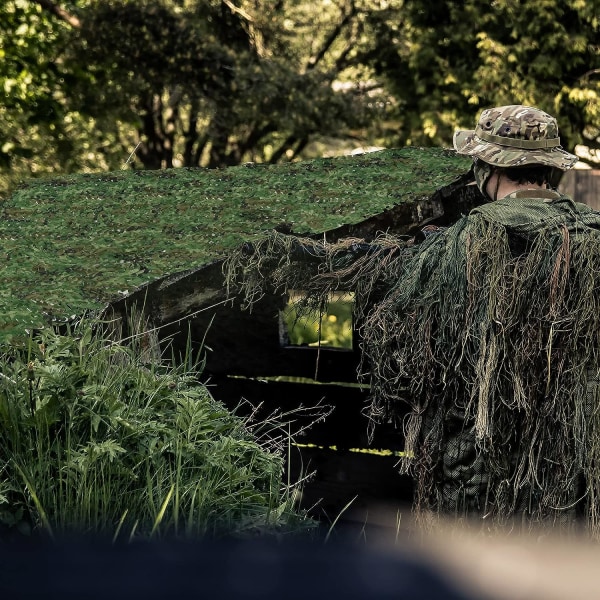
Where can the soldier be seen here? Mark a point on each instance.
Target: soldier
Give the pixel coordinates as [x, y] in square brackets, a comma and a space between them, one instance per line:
[493, 328]
[514, 147]
[489, 330]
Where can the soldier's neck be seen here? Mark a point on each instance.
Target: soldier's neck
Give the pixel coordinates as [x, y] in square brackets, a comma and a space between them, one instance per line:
[499, 186]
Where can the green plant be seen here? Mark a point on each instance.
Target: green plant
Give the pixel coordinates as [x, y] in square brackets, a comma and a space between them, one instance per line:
[330, 327]
[94, 441]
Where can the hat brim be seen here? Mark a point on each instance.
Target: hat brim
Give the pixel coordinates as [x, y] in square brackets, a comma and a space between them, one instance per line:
[467, 142]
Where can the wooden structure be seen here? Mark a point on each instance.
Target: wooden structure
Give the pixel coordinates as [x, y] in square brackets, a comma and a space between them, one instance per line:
[583, 185]
[248, 364]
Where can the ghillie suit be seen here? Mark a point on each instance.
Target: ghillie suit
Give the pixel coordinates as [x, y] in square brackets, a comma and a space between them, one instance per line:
[490, 331]
[495, 324]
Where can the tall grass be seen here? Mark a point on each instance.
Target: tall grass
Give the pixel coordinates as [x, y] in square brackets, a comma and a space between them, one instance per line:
[94, 441]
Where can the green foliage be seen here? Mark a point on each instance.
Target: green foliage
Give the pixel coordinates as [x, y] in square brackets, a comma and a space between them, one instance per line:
[42, 129]
[201, 83]
[217, 83]
[331, 327]
[445, 61]
[96, 442]
[74, 243]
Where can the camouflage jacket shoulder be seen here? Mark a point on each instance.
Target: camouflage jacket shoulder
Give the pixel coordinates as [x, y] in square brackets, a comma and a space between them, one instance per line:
[531, 211]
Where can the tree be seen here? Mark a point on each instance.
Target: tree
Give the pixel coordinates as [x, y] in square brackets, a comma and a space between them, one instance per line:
[161, 83]
[212, 83]
[28, 75]
[205, 82]
[40, 129]
[444, 61]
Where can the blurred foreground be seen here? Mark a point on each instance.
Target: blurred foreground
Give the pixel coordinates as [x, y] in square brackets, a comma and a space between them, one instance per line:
[452, 564]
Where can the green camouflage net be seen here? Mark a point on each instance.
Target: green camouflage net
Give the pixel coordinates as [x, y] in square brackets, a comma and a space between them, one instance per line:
[489, 331]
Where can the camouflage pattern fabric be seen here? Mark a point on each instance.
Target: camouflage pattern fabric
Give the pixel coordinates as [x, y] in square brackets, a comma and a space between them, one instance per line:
[513, 136]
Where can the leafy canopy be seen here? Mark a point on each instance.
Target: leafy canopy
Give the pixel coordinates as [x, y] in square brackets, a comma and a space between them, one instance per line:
[221, 82]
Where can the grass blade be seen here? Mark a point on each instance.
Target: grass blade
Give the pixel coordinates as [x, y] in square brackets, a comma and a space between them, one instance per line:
[36, 501]
[161, 512]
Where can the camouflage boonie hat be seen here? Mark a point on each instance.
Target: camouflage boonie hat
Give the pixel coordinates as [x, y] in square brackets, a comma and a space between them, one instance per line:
[513, 136]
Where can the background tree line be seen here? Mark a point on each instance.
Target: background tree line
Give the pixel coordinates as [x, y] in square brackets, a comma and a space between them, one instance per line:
[156, 83]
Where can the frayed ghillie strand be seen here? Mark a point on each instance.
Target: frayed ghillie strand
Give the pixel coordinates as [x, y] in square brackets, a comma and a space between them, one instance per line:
[279, 263]
[273, 264]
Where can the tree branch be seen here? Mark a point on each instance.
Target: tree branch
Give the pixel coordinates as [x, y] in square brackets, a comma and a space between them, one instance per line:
[59, 12]
[253, 32]
[257, 134]
[347, 18]
[586, 76]
[240, 11]
[191, 135]
[285, 146]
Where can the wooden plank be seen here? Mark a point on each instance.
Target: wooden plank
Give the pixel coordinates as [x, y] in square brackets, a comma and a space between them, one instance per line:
[345, 467]
[583, 185]
[345, 427]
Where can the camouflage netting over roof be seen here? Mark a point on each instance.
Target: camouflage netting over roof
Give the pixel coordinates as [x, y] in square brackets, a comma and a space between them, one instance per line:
[76, 242]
